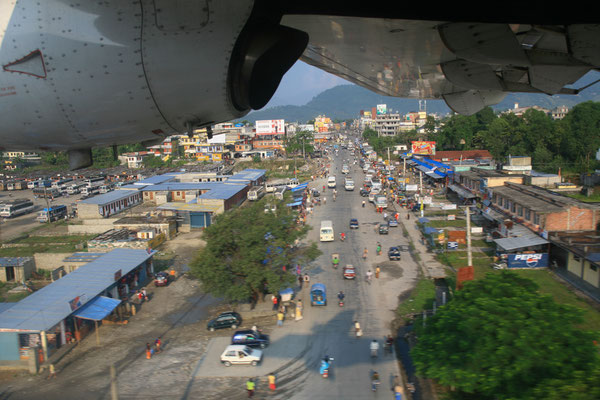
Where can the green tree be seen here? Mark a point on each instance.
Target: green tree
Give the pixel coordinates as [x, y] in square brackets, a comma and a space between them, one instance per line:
[500, 339]
[248, 249]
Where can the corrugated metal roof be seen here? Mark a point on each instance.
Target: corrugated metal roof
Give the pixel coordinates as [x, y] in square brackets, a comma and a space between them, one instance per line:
[48, 306]
[223, 192]
[109, 197]
[13, 261]
[156, 179]
[520, 242]
[249, 173]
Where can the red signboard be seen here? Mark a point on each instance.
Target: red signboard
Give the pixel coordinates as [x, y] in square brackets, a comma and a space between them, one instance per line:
[464, 274]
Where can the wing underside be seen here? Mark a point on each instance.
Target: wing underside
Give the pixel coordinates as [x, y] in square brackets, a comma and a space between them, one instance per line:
[469, 65]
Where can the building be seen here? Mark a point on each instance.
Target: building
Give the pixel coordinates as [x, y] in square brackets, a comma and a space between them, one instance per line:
[543, 211]
[46, 320]
[462, 155]
[136, 159]
[559, 112]
[109, 204]
[16, 269]
[577, 254]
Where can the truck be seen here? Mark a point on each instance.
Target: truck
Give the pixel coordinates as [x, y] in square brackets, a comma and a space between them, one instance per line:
[326, 233]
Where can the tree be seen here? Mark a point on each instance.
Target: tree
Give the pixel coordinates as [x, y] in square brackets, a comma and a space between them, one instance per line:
[500, 339]
[247, 250]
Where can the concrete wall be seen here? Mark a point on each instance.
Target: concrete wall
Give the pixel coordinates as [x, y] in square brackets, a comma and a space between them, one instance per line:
[91, 226]
[52, 261]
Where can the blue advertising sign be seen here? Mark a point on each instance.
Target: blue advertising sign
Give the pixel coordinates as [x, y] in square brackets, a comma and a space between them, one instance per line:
[452, 245]
[534, 260]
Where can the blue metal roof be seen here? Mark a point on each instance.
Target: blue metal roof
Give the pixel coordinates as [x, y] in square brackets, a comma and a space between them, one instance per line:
[156, 179]
[48, 306]
[109, 197]
[97, 309]
[249, 173]
[223, 192]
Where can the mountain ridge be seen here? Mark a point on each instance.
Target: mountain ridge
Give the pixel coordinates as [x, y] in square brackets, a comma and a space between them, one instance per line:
[344, 102]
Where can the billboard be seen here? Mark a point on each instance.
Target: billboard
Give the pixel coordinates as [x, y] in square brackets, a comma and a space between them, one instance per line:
[533, 260]
[423, 148]
[381, 109]
[270, 127]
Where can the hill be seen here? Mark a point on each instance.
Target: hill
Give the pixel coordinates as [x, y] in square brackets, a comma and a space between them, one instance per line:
[345, 101]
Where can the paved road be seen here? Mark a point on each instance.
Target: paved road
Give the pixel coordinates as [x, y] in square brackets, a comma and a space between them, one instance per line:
[372, 304]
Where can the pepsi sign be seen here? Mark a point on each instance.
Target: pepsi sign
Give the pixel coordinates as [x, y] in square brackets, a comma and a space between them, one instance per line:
[534, 260]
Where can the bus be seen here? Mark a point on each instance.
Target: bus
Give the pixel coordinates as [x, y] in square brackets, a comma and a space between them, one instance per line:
[39, 183]
[75, 188]
[279, 192]
[106, 188]
[94, 181]
[16, 207]
[326, 233]
[256, 192]
[44, 192]
[61, 182]
[53, 214]
[89, 190]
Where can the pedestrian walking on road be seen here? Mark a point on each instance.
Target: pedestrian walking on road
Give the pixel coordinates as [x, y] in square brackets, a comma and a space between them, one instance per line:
[157, 344]
[300, 280]
[377, 271]
[299, 310]
[271, 378]
[274, 299]
[280, 317]
[148, 351]
[250, 386]
[306, 278]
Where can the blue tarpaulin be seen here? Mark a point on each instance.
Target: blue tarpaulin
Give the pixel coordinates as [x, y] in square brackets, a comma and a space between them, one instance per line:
[97, 309]
[429, 230]
[423, 220]
[295, 204]
[300, 187]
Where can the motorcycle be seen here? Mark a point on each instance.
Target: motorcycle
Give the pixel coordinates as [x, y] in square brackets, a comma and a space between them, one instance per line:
[325, 365]
[341, 299]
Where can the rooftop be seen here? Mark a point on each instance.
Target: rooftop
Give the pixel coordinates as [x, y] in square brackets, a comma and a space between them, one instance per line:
[109, 197]
[48, 306]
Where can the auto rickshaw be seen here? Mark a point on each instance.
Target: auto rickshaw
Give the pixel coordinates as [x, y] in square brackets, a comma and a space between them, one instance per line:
[318, 295]
[335, 260]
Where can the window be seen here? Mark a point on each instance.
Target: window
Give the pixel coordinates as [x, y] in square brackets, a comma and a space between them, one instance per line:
[520, 211]
[528, 214]
[536, 219]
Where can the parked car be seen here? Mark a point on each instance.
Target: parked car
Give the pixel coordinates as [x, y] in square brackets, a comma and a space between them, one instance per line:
[161, 278]
[394, 253]
[364, 192]
[229, 319]
[241, 354]
[383, 229]
[349, 272]
[392, 222]
[353, 223]
[250, 338]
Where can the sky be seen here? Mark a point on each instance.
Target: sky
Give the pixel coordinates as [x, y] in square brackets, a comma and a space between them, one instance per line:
[301, 83]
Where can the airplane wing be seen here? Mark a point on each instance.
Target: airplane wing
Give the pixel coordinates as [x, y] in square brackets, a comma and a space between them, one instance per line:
[77, 75]
[469, 65]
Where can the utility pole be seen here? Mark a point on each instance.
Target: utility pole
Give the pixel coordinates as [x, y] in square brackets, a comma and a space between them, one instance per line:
[469, 255]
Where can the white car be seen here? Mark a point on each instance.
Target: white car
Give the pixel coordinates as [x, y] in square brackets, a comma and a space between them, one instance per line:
[241, 354]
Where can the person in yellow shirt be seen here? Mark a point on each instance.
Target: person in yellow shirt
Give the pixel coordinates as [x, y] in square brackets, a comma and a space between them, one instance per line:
[271, 381]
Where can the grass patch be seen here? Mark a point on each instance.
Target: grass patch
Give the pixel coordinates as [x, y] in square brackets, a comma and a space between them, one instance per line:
[421, 298]
[595, 198]
[46, 244]
[446, 224]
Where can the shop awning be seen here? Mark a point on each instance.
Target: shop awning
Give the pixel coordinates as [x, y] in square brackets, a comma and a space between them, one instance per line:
[294, 204]
[97, 309]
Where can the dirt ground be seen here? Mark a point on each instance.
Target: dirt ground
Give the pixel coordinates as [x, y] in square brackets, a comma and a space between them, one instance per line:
[177, 314]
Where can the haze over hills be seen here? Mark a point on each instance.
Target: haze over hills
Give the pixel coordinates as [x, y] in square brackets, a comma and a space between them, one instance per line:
[345, 101]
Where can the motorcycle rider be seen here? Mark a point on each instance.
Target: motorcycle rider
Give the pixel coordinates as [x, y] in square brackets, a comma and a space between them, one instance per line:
[365, 253]
[324, 365]
[374, 347]
[363, 204]
[369, 276]
[341, 296]
[374, 381]
[342, 236]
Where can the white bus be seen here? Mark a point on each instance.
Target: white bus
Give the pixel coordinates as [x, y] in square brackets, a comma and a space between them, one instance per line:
[106, 188]
[88, 190]
[95, 181]
[256, 192]
[16, 207]
[380, 201]
[279, 192]
[326, 233]
[75, 188]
